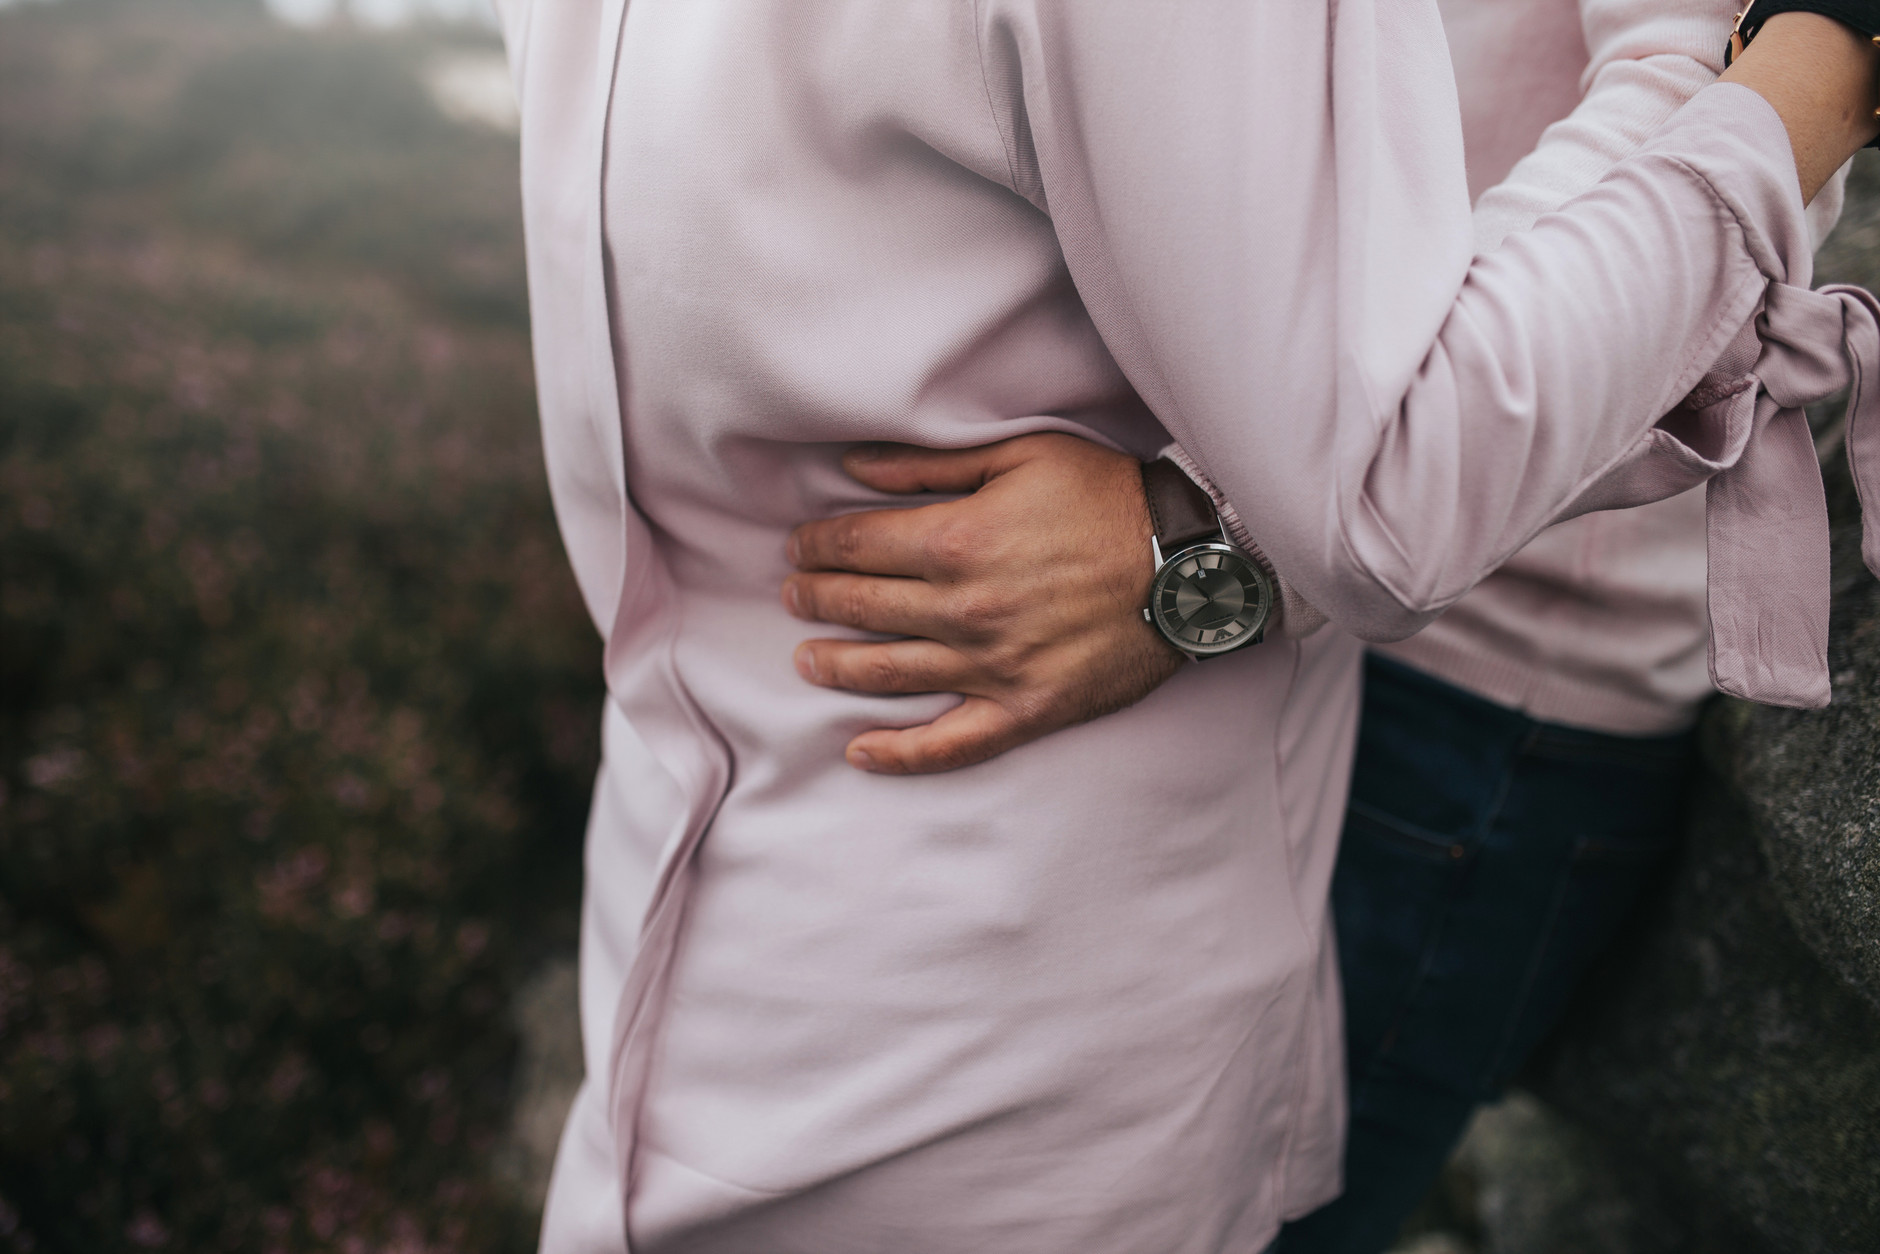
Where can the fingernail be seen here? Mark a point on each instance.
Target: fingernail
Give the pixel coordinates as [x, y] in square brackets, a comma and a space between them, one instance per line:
[859, 759]
[789, 597]
[806, 665]
[865, 453]
[790, 549]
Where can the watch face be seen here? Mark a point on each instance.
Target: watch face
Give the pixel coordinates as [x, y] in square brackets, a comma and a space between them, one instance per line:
[1210, 598]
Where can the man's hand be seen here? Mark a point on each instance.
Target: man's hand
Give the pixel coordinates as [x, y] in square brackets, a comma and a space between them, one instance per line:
[1025, 597]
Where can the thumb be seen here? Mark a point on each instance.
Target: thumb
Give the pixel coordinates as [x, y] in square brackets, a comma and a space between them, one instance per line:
[972, 731]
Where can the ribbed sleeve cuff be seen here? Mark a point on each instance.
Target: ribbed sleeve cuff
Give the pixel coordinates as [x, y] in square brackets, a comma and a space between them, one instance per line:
[1298, 617]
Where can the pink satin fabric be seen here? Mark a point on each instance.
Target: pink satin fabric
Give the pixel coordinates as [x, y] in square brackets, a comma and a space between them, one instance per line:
[1081, 996]
[1767, 516]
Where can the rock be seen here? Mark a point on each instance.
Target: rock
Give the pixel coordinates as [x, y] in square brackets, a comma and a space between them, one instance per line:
[1543, 1185]
[1527, 1180]
[1723, 1066]
[1732, 1075]
[1811, 778]
[1852, 253]
[1434, 1243]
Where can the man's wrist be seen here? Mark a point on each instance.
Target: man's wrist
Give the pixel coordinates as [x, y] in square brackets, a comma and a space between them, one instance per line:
[1208, 596]
[1293, 616]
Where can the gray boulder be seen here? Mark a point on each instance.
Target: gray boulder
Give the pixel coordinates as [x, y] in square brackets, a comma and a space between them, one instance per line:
[1732, 1076]
[1811, 780]
[1716, 1090]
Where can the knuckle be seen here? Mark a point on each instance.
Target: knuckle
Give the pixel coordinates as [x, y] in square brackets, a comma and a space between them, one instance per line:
[1036, 709]
[881, 672]
[1006, 659]
[846, 542]
[978, 608]
[951, 544]
[849, 604]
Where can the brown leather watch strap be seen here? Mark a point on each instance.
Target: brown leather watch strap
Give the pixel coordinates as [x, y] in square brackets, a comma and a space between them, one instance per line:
[1180, 511]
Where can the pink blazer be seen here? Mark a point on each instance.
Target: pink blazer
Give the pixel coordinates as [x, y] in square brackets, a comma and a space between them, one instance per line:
[1080, 997]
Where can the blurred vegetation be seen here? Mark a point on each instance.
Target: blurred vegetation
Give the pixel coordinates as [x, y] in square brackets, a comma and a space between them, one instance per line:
[298, 707]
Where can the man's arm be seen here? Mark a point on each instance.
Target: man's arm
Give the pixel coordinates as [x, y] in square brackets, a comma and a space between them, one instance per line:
[1020, 685]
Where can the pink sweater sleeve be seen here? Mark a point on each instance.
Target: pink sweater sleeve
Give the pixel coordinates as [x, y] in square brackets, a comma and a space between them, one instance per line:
[1554, 357]
[1646, 58]
[1281, 262]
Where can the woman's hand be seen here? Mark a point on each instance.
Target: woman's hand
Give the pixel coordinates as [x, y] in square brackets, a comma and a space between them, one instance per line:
[1025, 597]
[1823, 80]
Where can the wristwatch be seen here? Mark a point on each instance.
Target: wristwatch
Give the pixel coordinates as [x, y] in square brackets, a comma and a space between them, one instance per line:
[1209, 595]
[1862, 16]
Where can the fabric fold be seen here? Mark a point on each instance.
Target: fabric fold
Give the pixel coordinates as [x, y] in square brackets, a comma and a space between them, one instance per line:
[1767, 511]
[1295, 618]
[1744, 434]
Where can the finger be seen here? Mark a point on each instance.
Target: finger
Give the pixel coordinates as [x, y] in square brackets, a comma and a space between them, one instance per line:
[876, 542]
[900, 666]
[910, 468]
[976, 729]
[894, 607]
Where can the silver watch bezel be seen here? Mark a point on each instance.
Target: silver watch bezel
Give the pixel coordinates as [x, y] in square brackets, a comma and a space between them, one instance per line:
[1165, 565]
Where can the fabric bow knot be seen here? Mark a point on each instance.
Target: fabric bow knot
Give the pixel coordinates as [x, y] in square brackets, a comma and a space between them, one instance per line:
[1767, 514]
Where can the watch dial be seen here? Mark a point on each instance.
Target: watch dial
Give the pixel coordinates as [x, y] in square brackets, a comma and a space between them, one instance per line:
[1210, 599]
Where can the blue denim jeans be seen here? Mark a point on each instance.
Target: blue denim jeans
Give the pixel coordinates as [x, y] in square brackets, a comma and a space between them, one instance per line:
[1486, 860]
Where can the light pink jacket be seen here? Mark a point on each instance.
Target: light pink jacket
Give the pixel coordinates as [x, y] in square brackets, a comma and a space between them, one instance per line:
[1080, 997]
